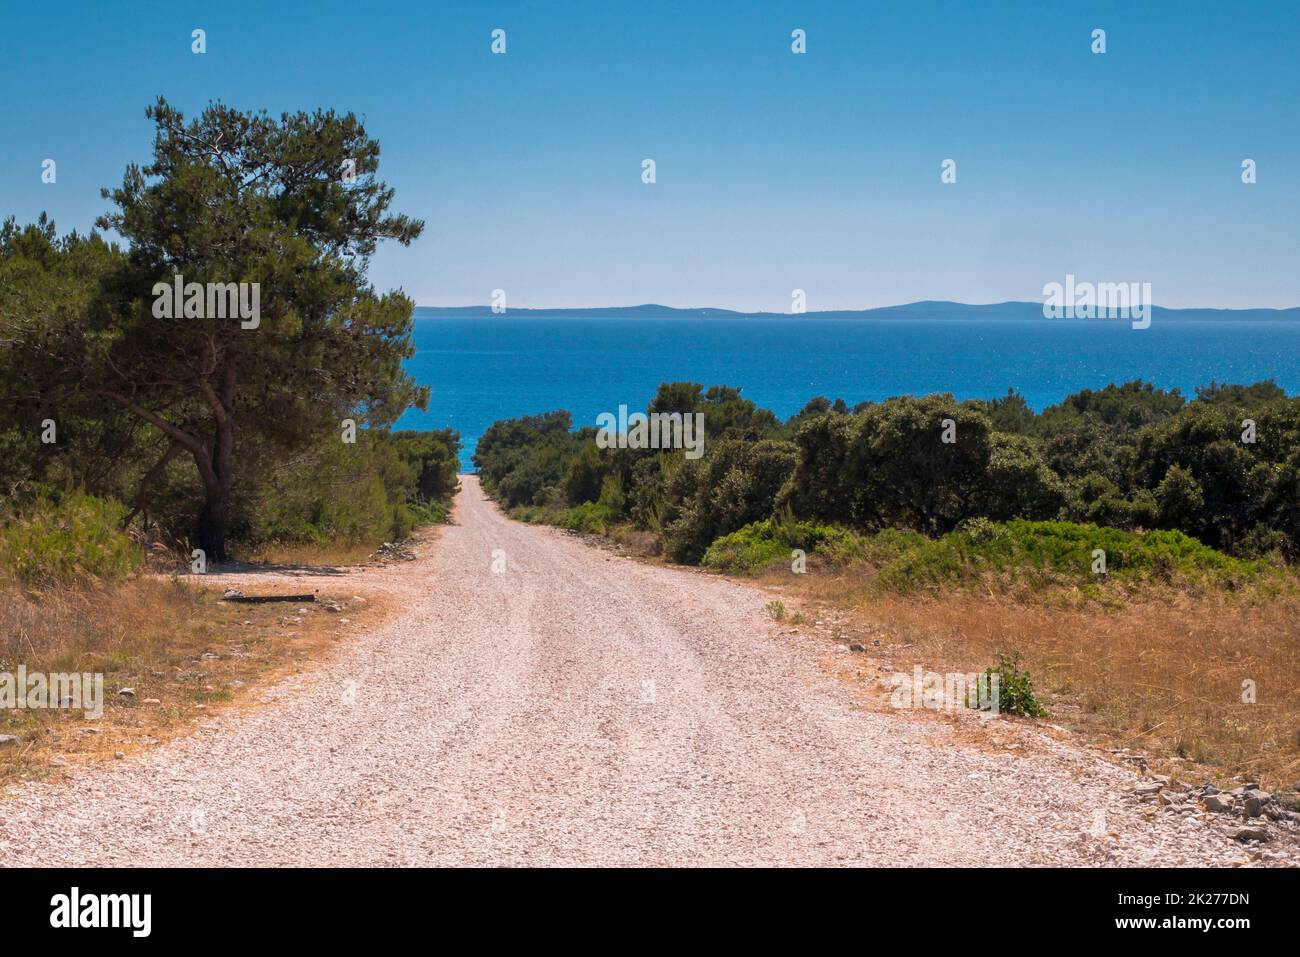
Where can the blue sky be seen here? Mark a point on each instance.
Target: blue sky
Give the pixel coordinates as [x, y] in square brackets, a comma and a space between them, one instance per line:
[775, 171]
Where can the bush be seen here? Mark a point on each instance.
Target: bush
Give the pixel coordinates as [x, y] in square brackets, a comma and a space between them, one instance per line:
[1015, 688]
[1129, 457]
[589, 518]
[751, 549]
[376, 490]
[78, 537]
[736, 483]
[1043, 554]
[760, 544]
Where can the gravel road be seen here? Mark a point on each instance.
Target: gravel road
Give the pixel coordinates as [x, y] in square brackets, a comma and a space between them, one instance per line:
[582, 708]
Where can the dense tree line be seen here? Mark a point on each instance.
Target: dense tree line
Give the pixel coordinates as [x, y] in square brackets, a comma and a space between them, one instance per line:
[1223, 467]
[204, 424]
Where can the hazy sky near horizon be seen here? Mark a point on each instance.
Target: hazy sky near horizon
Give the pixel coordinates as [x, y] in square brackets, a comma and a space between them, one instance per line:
[775, 171]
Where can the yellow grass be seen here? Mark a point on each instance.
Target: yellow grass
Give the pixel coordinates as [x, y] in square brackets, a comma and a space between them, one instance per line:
[1166, 675]
[307, 553]
[166, 639]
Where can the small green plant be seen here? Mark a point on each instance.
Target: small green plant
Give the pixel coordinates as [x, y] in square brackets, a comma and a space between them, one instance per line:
[776, 609]
[1015, 688]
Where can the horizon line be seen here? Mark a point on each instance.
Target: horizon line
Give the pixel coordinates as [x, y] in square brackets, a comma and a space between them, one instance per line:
[811, 312]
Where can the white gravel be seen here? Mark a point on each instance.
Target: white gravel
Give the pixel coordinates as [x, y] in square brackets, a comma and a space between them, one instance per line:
[580, 708]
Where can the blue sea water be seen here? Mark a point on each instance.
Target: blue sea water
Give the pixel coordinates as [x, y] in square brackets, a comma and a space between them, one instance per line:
[480, 369]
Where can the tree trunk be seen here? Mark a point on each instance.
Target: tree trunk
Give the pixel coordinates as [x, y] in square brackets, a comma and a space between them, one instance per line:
[215, 470]
[214, 520]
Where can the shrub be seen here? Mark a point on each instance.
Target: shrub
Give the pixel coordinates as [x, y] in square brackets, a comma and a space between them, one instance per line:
[76, 537]
[1129, 457]
[376, 490]
[1015, 688]
[1043, 554]
[760, 544]
[590, 518]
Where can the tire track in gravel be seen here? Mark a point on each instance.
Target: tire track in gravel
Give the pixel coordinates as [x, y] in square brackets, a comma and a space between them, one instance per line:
[580, 708]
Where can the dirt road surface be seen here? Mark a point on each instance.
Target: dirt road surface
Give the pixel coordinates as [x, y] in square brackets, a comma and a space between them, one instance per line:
[578, 707]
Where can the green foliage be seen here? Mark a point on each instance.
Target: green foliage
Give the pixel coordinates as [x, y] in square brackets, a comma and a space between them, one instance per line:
[77, 537]
[375, 490]
[1015, 688]
[735, 483]
[746, 550]
[589, 518]
[526, 461]
[759, 544]
[1044, 554]
[1128, 458]
[229, 197]
[889, 465]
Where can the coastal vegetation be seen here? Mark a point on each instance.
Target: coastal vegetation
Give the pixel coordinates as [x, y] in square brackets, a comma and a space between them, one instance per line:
[212, 429]
[937, 491]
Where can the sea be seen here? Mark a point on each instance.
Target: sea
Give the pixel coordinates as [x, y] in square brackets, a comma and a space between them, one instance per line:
[481, 369]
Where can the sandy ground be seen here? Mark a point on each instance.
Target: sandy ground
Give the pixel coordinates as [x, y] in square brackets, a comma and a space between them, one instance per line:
[581, 708]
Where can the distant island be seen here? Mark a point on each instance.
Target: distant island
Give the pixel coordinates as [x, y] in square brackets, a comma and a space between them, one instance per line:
[927, 309]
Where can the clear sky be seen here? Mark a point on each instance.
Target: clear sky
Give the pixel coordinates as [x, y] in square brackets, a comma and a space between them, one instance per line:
[775, 171]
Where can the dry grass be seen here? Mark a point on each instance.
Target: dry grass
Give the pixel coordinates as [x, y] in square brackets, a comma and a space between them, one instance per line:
[307, 553]
[168, 640]
[1164, 675]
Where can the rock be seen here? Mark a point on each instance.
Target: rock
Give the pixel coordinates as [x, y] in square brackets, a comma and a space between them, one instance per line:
[358, 600]
[119, 755]
[1214, 802]
[127, 692]
[1251, 834]
[1148, 790]
[334, 607]
[1252, 807]
[231, 593]
[152, 701]
[9, 739]
[345, 621]
[856, 647]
